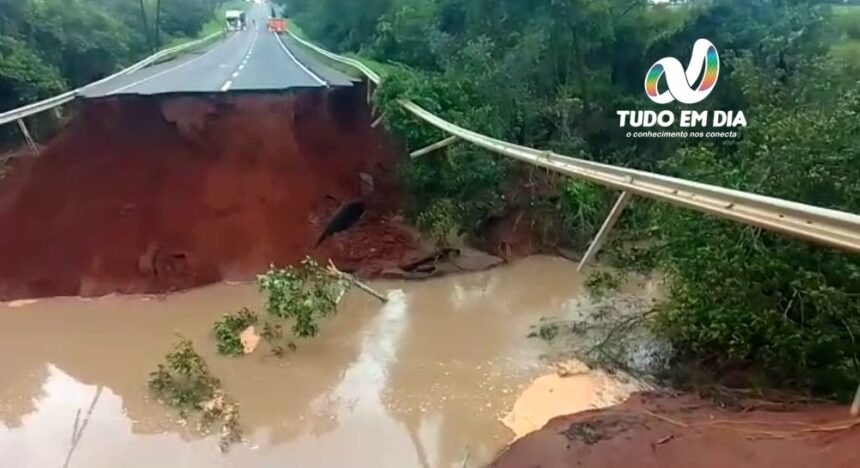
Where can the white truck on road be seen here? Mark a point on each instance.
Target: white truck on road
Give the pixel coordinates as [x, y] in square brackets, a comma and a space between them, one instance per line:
[235, 20]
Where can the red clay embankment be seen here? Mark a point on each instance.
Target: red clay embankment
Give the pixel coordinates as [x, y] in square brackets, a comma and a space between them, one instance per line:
[654, 431]
[142, 195]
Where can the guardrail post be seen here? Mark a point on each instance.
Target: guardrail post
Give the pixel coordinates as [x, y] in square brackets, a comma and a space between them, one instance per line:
[378, 120]
[30, 142]
[855, 406]
[603, 233]
[434, 147]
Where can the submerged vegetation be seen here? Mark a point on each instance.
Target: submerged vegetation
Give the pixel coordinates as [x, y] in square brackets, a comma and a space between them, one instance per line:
[552, 75]
[303, 294]
[184, 382]
[228, 329]
[602, 283]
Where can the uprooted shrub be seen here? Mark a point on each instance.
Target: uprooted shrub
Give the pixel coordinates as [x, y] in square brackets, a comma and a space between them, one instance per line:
[610, 332]
[184, 382]
[228, 330]
[303, 294]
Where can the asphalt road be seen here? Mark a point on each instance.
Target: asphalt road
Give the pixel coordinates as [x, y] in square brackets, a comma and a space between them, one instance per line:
[250, 60]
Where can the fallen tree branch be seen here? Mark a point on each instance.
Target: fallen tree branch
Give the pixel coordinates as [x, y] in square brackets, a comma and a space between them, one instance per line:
[354, 281]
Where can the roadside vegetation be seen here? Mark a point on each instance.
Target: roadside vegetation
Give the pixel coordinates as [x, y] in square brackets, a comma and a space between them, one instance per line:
[50, 46]
[551, 75]
[213, 25]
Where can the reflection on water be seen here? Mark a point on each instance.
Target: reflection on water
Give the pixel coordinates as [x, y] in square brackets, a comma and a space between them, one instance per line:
[419, 381]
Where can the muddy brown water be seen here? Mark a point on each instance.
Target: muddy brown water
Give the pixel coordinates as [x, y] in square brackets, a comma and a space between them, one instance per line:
[420, 381]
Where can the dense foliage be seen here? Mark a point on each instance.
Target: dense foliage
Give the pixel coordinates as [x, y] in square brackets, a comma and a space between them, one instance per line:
[304, 294]
[228, 331]
[184, 382]
[552, 74]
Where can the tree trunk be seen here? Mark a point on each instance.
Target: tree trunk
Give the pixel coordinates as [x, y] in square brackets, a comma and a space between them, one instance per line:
[145, 22]
[157, 24]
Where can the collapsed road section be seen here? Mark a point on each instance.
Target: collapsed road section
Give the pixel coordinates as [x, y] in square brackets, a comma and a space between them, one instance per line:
[152, 194]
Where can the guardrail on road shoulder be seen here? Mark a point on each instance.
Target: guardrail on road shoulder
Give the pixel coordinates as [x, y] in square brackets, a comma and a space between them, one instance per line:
[52, 102]
[364, 69]
[821, 225]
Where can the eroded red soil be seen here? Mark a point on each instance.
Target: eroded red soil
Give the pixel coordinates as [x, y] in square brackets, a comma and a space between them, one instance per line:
[651, 431]
[151, 195]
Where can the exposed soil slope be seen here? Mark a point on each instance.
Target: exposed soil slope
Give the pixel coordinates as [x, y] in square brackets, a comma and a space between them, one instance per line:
[151, 195]
[685, 432]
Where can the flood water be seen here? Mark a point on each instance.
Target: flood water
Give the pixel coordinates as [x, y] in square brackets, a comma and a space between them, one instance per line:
[421, 381]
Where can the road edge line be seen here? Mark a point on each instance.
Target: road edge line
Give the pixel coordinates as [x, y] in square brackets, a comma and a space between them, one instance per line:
[313, 75]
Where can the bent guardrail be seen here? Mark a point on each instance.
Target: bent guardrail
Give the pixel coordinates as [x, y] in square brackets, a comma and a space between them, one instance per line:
[821, 225]
[52, 102]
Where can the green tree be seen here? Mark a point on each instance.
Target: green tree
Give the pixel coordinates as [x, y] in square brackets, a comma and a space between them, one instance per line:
[24, 76]
[185, 17]
[83, 41]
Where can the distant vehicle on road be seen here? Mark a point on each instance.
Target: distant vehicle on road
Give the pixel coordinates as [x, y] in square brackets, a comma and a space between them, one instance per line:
[235, 20]
[277, 25]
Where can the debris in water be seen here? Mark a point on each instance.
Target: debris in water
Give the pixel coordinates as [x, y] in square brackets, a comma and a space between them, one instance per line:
[610, 332]
[352, 280]
[185, 383]
[229, 329]
[305, 294]
[250, 339]
[22, 302]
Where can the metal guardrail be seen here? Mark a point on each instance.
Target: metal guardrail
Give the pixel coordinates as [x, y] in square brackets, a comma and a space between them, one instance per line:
[52, 102]
[821, 225]
[364, 69]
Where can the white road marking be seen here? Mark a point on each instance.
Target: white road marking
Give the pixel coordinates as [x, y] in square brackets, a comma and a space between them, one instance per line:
[300, 64]
[229, 83]
[144, 80]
